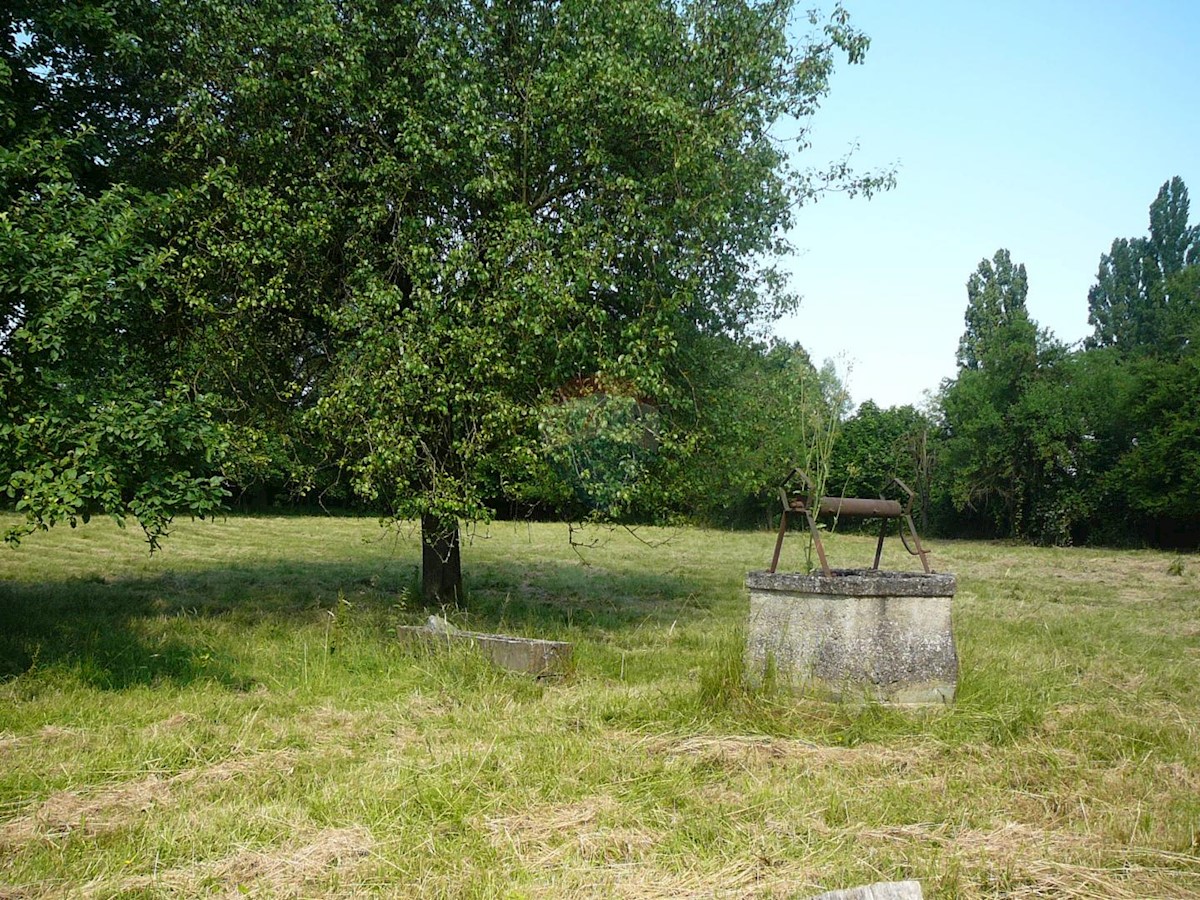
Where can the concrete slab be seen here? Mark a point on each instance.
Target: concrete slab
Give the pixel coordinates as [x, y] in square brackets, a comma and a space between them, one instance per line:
[529, 656]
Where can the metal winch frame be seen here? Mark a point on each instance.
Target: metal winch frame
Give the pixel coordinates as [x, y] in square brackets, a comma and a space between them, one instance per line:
[806, 502]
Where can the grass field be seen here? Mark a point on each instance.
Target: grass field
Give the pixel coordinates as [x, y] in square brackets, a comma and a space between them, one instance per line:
[234, 716]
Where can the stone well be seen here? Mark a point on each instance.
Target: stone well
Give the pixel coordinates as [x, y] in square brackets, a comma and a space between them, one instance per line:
[858, 634]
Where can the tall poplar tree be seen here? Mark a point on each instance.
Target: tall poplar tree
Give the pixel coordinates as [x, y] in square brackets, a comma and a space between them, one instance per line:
[1140, 303]
[1009, 436]
[997, 322]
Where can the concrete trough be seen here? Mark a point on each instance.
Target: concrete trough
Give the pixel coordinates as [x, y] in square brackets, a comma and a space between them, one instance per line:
[859, 634]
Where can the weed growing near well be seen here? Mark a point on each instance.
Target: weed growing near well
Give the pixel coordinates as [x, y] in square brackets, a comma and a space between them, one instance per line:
[233, 715]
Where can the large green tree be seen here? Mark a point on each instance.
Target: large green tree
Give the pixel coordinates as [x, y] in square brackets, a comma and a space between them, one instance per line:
[1142, 436]
[406, 226]
[768, 409]
[485, 202]
[1097, 444]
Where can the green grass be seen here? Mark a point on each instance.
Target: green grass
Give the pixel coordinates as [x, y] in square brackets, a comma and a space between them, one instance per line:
[234, 716]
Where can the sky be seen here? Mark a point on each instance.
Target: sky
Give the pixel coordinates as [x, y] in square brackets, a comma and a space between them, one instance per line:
[1044, 128]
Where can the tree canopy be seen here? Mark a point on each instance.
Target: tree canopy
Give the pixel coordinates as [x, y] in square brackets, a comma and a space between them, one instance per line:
[391, 233]
[1100, 442]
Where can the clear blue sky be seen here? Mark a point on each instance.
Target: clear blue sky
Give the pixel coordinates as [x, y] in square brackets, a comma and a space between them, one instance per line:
[1045, 128]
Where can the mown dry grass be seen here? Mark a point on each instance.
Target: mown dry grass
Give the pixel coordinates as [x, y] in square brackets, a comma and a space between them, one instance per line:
[233, 717]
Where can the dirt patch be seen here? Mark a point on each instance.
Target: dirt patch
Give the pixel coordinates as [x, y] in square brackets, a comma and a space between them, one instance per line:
[425, 706]
[237, 766]
[329, 718]
[291, 866]
[404, 736]
[286, 871]
[47, 734]
[1177, 779]
[67, 811]
[120, 805]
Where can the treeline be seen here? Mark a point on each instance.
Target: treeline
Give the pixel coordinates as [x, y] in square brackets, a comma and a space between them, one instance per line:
[1038, 441]
[1087, 444]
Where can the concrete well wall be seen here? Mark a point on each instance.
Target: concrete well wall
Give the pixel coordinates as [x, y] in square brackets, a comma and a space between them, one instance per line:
[860, 634]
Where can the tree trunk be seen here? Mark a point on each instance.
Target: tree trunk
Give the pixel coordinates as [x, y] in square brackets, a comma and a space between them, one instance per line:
[441, 562]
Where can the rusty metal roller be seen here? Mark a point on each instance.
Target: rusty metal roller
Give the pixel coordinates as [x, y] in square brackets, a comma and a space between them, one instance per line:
[860, 507]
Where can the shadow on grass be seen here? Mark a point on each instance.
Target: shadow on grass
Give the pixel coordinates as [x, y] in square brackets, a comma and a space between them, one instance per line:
[122, 632]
